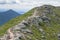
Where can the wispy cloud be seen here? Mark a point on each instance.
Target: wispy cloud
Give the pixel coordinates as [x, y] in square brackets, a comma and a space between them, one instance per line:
[26, 4]
[7, 2]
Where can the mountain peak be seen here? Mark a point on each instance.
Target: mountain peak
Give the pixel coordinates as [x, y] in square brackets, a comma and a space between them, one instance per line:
[43, 10]
[44, 24]
[7, 15]
[11, 11]
[48, 5]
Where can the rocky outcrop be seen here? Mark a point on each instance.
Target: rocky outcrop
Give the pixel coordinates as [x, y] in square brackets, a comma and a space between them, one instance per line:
[19, 31]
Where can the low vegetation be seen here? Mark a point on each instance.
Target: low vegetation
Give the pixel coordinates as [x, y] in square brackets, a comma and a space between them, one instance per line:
[51, 29]
[14, 22]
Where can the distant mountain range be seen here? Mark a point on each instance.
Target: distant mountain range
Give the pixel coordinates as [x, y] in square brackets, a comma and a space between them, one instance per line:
[8, 15]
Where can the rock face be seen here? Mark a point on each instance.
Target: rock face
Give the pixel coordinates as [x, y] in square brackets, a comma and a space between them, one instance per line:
[22, 30]
[43, 10]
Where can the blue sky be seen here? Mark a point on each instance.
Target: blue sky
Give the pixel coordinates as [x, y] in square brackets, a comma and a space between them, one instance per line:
[25, 5]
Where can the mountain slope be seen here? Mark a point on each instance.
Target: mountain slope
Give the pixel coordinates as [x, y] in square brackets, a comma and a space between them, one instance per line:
[14, 21]
[40, 23]
[6, 16]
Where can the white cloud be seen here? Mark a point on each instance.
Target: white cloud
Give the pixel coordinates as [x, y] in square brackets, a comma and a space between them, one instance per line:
[27, 4]
[7, 1]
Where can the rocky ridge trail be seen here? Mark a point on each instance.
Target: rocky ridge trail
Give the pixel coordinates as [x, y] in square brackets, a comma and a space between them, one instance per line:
[23, 29]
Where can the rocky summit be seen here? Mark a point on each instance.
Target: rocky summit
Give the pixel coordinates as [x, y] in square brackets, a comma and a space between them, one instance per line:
[43, 24]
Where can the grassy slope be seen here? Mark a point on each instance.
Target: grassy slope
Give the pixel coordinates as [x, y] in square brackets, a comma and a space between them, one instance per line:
[54, 28]
[49, 30]
[14, 21]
